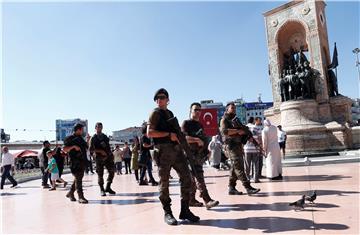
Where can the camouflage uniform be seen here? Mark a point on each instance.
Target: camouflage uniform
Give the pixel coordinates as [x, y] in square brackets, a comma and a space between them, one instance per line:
[169, 155]
[234, 151]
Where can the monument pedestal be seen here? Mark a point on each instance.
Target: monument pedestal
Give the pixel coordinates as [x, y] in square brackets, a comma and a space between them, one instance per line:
[307, 133]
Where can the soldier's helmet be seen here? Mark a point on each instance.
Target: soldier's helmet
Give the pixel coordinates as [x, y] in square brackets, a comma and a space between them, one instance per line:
[161, 91]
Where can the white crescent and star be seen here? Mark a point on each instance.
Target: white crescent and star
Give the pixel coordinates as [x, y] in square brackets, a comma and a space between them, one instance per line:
[211, 117]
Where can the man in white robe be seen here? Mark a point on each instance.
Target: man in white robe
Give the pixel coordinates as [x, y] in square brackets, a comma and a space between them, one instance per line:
[272, 151]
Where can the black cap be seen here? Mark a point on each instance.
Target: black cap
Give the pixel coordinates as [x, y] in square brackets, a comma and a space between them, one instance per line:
[229, 103]
[46, 142]
[161, 91]
[77, 126]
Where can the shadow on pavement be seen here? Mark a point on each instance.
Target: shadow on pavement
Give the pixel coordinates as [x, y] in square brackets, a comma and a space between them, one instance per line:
[147, 194]
[271, 224]
[122, 202]
[298, 178]
[12, 194]
[299, 193]
[20, 186]
[278, 206]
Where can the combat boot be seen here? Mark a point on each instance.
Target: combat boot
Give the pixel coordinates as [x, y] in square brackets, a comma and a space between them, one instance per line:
[109, 190]
[186, 214]
[195, 203]
[102, 191]
[168, 217]
[211, 204]
[143, 182]
[153, 182]
[250, 190]
[82, 199]
[233, 191]
[71, 196]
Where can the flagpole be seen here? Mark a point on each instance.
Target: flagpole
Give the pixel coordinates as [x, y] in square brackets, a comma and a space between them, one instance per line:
[356, 51]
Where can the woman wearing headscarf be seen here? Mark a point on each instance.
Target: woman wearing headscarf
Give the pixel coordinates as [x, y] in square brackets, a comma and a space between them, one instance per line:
[215, 151]
[272, 151]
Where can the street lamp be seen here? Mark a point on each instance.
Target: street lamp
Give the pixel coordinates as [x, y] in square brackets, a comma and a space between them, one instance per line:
[356, 51]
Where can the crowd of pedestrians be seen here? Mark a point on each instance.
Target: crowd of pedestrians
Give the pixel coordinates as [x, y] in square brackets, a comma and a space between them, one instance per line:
[137, 157]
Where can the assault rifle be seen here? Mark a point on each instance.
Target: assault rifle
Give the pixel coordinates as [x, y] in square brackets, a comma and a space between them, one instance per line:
[248, 136]
[174, 124]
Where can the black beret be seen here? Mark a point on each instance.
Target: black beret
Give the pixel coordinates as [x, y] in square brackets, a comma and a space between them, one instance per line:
[161, 91]
[77, 126]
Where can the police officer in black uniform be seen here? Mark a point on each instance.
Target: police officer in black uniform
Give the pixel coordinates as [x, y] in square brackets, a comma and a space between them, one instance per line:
[198, 143]
[76, 147]
[100, 145]
[46, 174]
[169, 155]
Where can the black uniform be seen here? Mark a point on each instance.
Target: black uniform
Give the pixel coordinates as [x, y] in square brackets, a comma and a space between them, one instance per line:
[195, 129]
[145, 160]
[59, 161]
[102, 142]
[46, 174]
[77, 162]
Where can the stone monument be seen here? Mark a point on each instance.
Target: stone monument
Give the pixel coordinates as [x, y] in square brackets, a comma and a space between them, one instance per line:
[304, 86]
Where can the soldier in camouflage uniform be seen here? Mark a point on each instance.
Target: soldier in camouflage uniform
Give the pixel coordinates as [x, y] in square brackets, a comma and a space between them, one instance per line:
[234, 151]
[198, 143]
[169, 155]
[76, 147]
[100, 144]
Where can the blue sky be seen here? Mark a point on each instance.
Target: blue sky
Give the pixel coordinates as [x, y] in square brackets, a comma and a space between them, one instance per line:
[103, 61]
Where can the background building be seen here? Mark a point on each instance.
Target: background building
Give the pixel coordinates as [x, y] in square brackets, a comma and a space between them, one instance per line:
[241, 110]
[126, 135]
[218, 106]
[65, 127]
[244, 110]
[256, 109]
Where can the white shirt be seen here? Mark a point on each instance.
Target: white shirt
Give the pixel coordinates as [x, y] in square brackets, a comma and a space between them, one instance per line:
[7, 159]
[41, 157]
[249, 147]
[281, 136]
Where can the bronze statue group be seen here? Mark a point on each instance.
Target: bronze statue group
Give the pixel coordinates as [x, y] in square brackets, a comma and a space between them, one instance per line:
[298, 80]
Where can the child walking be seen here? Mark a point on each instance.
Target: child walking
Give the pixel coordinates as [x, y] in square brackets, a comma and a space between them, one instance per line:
[54, 171]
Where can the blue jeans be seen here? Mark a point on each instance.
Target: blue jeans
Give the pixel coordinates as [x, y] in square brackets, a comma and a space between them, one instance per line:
[118, 167]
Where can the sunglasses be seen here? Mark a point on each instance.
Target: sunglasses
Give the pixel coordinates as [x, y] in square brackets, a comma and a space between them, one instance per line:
[161, 97]
[197, 110]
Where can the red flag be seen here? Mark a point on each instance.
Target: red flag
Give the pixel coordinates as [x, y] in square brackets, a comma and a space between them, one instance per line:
[209, 119]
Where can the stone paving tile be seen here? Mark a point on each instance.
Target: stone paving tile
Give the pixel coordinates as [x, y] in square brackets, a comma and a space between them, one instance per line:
[135, 209]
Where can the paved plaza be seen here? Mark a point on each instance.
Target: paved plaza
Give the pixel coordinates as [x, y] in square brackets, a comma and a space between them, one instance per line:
[135, 209]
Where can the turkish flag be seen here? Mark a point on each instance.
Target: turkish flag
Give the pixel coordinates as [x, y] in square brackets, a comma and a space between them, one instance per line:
[209, 119]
